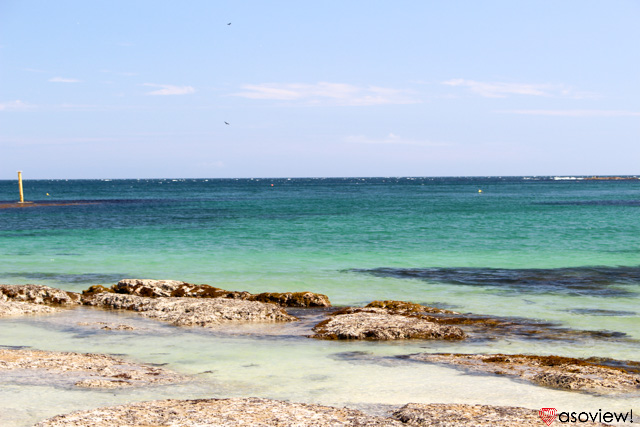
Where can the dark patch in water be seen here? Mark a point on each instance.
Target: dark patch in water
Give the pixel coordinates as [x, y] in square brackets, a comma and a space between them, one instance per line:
[359, 357]
[91, 278]
[352, 355]
[439, 304]
[14, 347]
[317, 377]
[593, 281]
[599, 312]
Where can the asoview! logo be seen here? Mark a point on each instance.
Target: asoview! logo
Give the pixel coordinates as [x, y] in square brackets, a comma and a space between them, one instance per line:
[549, 415]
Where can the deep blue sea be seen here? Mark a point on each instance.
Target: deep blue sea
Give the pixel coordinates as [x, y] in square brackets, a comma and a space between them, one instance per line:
[555, 249]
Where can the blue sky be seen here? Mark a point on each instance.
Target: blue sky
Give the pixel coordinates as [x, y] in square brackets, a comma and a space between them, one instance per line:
[133, 89]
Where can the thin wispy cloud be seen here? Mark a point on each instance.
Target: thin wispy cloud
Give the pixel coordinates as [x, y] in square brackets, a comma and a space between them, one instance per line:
[63, 80]
[503, 89]
[16, 105]
[574, 113]
[323, 93]
[392, 139]
[169, 89]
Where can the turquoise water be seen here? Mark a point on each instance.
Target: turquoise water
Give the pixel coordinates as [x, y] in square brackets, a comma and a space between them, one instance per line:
[566, 251]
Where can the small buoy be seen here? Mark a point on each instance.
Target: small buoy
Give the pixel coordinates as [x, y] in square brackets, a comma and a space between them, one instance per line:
[47, 194]
[272, 185]
[479, 191]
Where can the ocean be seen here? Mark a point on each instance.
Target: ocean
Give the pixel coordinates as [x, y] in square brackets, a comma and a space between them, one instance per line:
[564, 250]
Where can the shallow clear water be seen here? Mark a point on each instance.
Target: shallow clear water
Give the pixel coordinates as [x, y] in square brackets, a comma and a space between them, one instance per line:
[522, 247]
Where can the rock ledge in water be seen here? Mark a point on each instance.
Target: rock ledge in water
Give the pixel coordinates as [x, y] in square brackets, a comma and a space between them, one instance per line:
[19, 308]
[175, 288]
[594, 375]
[388, 320]
[39, 294]
[193, 312]
[86, 370]
[218, 412]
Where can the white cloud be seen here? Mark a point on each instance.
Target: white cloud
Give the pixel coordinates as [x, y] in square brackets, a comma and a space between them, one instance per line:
[393, 139]
[63, 80]
[322, 93]
[16, 105]
[574, 113]
[502, 90]
[169, 89]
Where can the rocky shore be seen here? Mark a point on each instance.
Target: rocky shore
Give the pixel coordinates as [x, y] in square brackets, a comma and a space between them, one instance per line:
[593, 375]
[184, 304]
[266, 412]
[85, 370]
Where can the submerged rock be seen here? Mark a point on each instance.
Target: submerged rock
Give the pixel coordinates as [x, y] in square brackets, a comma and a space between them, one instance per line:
[384, 322]
[594, 375]
[108, 326]
[219, 412]
[40, 294]
[194, 312]
[86, 370]
[175, 288]
[453, 415]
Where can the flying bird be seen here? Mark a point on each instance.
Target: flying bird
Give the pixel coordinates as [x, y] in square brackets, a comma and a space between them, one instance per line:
[226, 123]
[229, 23]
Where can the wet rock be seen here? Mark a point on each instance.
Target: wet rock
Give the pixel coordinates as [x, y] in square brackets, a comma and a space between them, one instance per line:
[95, 289]
[404, 307]
[194, 312]
[219, 412]
[175, 288]
[454, 415]
[593, 375]
[19, 308]
[86, 370]
[39, 294]
[376, 323]
[293, 299]
[172, 288]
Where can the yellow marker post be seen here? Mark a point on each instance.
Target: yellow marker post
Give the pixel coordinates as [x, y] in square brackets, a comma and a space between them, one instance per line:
[20, 186]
